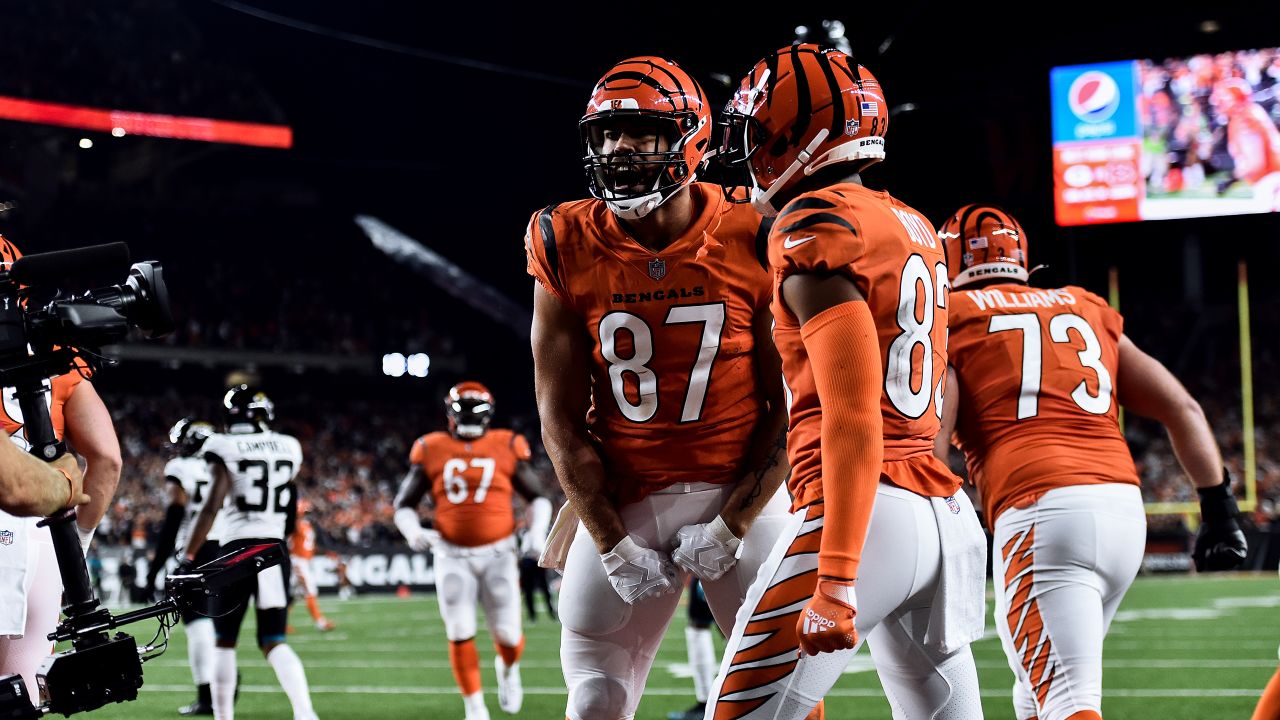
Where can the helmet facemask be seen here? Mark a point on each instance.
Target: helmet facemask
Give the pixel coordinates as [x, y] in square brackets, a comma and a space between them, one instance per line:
[634, 184]
[469, 416]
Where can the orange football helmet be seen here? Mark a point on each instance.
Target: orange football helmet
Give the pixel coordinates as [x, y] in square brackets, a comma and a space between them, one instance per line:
[1231, 93]
[802, 109]
[658, 93]
[984, 242]
[469, 407]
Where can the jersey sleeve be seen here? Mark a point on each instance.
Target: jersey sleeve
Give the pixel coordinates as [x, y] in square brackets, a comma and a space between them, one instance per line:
[171, 472]
[296, 451]
[65, 384]
[815, 233]
[418, 453]
[520, 446]
[542, 254]
[1112, 320]
[217, 449]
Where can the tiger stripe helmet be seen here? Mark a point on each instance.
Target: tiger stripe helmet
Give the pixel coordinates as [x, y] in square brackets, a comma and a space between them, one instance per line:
[469, 407]
[984, 242]
[650, 88]
[802, 109]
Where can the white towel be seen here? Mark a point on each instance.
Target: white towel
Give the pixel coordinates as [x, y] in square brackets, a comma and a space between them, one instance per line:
[16, 556]
[271, 589]
[959, 605]
[563, 530]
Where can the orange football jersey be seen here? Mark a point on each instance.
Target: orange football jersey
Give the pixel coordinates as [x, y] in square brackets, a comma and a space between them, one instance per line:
[891, 253]
[674, 394]
[302, 543]
[1037, 371]
[62, 387]
[471, 483]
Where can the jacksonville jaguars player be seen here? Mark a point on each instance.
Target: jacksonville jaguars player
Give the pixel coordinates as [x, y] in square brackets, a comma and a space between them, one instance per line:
[252, 469]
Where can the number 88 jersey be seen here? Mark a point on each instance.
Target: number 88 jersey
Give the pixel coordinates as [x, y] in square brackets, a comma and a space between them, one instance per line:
[260, 465]
[892, 255]
[471, 483]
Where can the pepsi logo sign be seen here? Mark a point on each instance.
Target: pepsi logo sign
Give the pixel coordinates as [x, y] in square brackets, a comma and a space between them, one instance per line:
[1094, 97]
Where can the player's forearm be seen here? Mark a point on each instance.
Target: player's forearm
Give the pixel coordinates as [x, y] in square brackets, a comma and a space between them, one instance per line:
[30, 487]
[768, 470]
[200, 531]
[1194, 445]
[844, 353]
[101, 477]
[581, 474]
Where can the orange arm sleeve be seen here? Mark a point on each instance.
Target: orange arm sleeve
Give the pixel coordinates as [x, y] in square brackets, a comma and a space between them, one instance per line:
[844, 353]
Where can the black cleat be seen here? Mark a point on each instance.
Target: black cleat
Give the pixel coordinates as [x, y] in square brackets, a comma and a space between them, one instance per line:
[196, 708]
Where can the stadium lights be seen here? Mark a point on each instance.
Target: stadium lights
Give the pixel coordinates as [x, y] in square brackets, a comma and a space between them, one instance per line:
[85, 143]
[398, 365]
[117, 132]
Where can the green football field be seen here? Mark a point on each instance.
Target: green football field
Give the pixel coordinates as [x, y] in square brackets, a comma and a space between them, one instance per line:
[1181, 648]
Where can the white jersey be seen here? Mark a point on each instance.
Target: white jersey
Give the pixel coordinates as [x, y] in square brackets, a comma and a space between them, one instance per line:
[260, 464]
[193, 474]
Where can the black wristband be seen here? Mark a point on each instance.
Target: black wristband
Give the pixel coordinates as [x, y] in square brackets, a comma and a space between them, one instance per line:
[1216, 502]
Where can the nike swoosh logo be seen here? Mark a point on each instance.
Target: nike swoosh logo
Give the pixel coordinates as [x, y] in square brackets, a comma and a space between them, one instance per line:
[789, 243]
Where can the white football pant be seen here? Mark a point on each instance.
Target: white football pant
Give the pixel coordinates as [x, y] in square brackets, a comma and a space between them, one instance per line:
[488, 573]
[1061, 566]
[762, 674]
[608, 646]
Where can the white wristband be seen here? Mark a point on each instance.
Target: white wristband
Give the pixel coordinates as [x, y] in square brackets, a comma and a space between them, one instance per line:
[86, 537]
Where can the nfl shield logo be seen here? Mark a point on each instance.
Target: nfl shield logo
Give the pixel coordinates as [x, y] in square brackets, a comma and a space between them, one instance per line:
[657, 269]
[851, 127]
[6, 537]
[953, 505]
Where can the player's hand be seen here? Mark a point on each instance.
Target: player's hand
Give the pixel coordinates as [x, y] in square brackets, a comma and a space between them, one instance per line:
[826, 623]
[71, 466]
[707, 550]
[532, 544]
[637, 572]
[1220, 545]
[425, 540]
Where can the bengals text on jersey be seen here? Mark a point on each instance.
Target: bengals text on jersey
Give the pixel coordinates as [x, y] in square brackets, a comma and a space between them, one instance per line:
[471, 483]
[673, 373]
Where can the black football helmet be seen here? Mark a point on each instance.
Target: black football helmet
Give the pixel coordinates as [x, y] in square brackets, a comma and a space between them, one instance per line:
[244, 404]
[188, 435]
[469, 406]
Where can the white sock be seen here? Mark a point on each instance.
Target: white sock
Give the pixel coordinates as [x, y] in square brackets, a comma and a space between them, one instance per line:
[475, 707]
[293, 678]
[702, 660]
[200, 650]
[223, 685]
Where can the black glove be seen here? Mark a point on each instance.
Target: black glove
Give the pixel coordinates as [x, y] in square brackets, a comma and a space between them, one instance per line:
[1220, 544]
[185, 567]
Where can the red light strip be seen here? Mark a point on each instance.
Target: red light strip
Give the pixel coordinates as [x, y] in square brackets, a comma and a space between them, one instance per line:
[149, 124]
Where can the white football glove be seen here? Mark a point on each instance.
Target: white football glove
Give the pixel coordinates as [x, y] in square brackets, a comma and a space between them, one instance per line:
[535, 537]
[706, 550]
[426, 540]
[419, 538]
[637, 572]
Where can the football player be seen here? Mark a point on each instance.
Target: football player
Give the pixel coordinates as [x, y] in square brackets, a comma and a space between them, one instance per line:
[1252, 140]
[658, 385]
[861, 324]
[188, 478]
[1034, 388]
[468, 475]
[302, 548]
[30, 583]
[252, 469]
